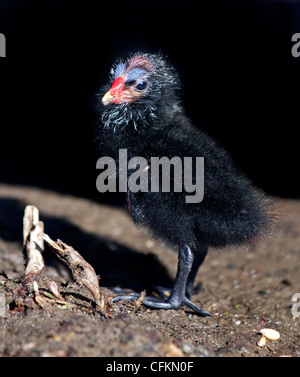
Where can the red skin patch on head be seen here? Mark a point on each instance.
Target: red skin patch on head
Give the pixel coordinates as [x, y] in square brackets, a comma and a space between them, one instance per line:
[117, 86]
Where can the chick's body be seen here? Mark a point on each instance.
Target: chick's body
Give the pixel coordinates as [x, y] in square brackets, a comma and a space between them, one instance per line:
[151, 123]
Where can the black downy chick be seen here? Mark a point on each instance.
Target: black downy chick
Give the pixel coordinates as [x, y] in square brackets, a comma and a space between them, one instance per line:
[142, 113]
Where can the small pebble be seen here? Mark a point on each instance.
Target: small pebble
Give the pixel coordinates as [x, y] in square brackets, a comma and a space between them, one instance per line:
[3, 306]
[261, 342]
[270, 334]
[187, 348]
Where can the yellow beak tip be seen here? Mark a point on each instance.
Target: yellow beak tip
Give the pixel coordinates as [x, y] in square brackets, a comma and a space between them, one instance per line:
[107, 98]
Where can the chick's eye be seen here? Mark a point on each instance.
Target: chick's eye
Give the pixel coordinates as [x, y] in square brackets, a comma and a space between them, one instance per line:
[142, 85]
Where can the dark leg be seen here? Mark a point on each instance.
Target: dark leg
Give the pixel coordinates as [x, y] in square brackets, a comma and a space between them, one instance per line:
[178, 297]
[199, 257]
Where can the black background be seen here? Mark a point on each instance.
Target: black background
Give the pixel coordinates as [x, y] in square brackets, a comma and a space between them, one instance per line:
[240, 82]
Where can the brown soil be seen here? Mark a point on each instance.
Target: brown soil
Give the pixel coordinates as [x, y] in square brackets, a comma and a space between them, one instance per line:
[244, 290]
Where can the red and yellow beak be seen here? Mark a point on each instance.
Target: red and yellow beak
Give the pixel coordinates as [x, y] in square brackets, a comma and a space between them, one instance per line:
[114, 93]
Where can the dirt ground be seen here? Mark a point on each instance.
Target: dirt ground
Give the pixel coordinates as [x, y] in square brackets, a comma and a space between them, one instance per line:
[244, 290]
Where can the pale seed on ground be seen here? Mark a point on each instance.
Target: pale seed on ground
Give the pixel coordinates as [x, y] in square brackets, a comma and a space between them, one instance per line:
[270, 334]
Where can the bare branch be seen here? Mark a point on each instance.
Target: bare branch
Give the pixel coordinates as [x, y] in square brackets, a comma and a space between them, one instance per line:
[33, 230]
[31, 218]
[82, 272]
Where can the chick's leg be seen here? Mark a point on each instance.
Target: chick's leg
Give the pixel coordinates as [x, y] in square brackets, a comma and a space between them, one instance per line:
[177, 297]
[190, 289]
[199, 257]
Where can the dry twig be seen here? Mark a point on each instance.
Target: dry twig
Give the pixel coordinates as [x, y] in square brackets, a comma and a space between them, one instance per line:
[82, 272]
[33, 241]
